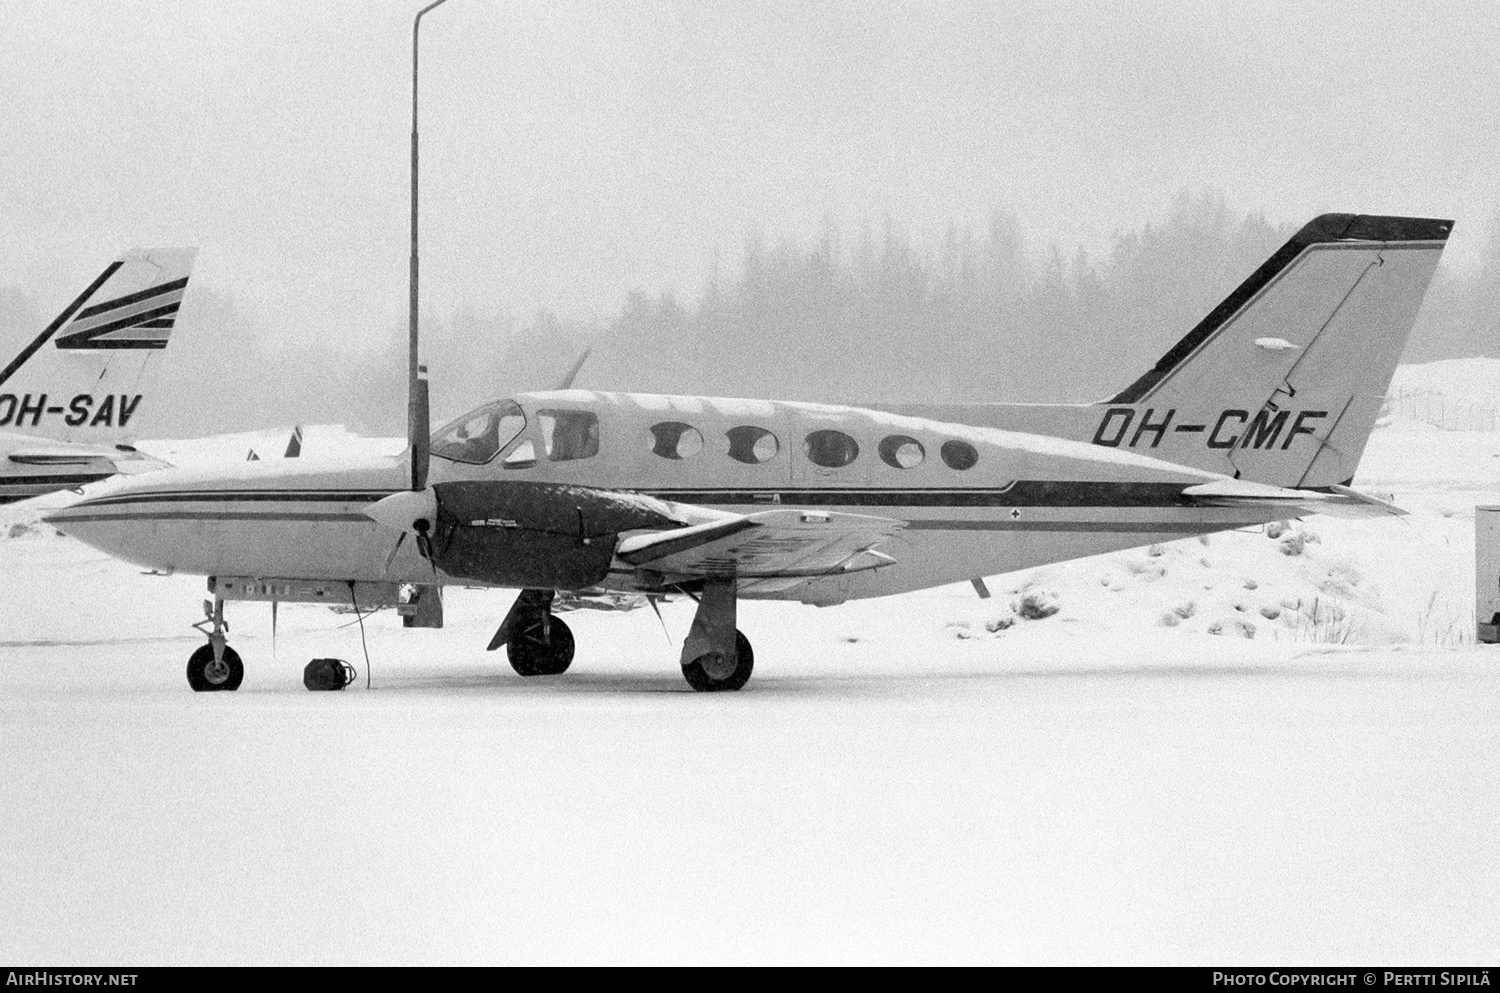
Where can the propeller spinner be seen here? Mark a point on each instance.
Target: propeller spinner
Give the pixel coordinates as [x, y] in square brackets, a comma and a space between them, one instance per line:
[408, 510]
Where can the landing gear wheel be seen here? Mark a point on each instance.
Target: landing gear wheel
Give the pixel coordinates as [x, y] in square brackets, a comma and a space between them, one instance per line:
[535, 651]
[712, 671]
[206, 676]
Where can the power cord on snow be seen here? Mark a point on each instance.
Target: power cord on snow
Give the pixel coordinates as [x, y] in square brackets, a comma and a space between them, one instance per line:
[368, 613]
[362, 644]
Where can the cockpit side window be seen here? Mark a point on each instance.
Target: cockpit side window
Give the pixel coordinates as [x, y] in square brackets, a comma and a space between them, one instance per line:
[479, 435]
[569, 434]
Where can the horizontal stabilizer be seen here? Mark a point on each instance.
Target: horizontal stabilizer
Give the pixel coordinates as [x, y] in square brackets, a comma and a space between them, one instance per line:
[1375, 504]
[1339, 501]
[62, 455]
[122, 458]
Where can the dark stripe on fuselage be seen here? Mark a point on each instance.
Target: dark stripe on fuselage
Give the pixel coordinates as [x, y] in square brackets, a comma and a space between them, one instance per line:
[61, 319]
[1034, 494]
[242, 496]
[1023, 493]
[1112, 527]
[207, 515]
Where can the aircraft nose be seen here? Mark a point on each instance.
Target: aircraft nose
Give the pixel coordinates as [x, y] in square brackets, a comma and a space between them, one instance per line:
[65, 519]
[110, 527]
[399, 510]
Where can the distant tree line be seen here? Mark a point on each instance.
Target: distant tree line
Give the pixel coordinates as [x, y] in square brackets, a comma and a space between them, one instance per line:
[871, 316]
[855, 316]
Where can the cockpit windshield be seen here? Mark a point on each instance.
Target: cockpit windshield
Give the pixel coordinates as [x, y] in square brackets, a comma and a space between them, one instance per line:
[479, 435]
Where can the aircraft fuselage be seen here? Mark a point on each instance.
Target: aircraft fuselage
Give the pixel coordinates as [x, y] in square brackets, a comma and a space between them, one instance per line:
[975, 501]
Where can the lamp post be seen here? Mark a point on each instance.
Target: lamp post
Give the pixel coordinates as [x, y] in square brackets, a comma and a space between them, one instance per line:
[416, 400]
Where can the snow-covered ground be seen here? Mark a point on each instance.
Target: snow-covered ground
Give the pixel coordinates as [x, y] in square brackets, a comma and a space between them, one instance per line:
[1264, 747]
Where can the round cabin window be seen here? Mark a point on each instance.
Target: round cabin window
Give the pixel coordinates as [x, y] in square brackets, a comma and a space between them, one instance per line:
[752, 445]
[830, 449]
[902, 452]
[675, 440]
[959, 455]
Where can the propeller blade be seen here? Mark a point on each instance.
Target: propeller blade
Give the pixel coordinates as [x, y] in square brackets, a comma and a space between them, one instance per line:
[423, 528]
[419, 430]
[394, 549]
[567, 380]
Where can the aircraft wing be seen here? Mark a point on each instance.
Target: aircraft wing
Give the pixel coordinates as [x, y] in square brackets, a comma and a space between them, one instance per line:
[766, 551]
[1338, 501]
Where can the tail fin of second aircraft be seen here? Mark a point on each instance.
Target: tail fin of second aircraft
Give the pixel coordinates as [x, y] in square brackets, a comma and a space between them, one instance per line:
[1283, 381]
[83, 377]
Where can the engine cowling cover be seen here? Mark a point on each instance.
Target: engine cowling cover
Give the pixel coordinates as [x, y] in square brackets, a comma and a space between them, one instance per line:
[536, 535]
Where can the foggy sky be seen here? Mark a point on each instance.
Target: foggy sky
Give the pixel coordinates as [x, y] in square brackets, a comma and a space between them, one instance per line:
[574, 151]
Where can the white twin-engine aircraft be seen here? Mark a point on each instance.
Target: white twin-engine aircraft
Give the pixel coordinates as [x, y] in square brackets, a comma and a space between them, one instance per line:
[1260, 413]
[69, 400]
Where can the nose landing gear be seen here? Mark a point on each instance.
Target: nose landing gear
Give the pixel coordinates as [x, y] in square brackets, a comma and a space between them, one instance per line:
[215, 666]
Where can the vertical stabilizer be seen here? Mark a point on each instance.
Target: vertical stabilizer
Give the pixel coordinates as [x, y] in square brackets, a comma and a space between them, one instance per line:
[83, 377]
[1283, 381]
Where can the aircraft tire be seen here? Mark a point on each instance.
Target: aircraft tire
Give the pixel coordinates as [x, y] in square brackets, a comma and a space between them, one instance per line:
[203, 679]
[531, 655]
[701, 679]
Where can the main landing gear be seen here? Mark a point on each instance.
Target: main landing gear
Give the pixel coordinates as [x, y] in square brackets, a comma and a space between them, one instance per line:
[536, 643]
[215, 666]
[715, 656]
